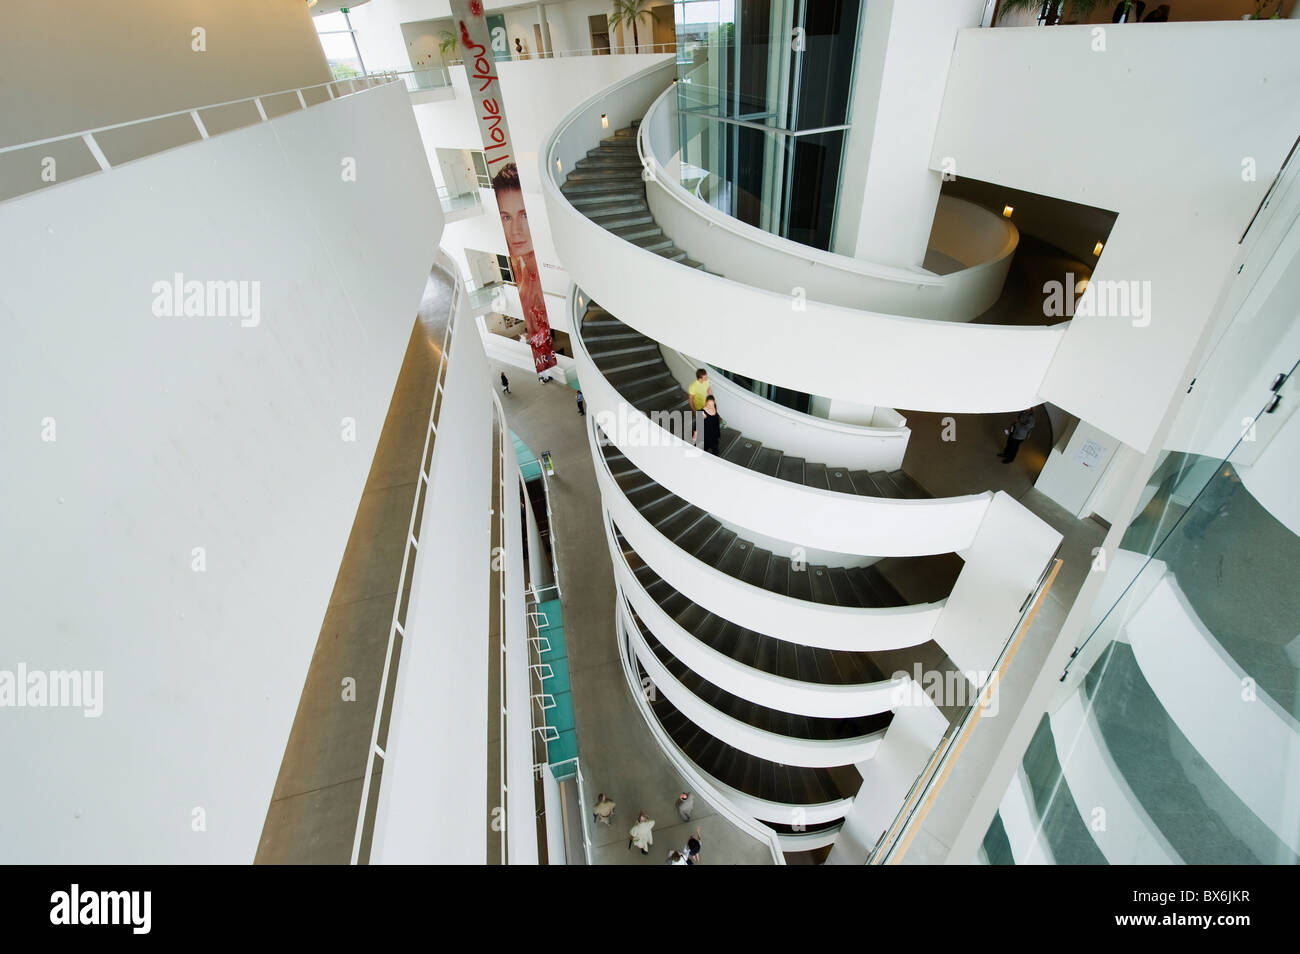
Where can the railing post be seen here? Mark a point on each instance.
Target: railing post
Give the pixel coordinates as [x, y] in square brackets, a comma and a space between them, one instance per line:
[95, 151]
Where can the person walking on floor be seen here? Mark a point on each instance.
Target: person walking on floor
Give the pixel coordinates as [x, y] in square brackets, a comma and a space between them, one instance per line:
[582, 404]
[505, 383]
[685, 806]
[603, 810]
[1016, 434]
[675, 857]
[693, 846]
[710, 422]
[640, 834]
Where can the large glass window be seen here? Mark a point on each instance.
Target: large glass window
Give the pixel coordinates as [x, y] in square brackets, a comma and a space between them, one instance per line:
[339, 41]
[763, 91]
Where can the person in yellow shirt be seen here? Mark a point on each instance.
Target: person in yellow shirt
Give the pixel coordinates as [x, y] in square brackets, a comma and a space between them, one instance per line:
[699, 391]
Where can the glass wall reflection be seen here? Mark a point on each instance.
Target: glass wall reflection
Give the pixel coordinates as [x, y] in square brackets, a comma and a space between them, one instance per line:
[764, 94]
[1181, 743]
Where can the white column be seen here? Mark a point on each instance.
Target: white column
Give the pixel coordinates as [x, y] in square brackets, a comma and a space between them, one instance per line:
[888, 192]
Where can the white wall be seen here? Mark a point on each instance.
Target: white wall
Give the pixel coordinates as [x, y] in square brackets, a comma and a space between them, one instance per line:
[117, 62]
[175, 433]
[431, 774]
[909, 741]
[888, 192]
[1003, 564]
[1072, 474]
[1224, 91]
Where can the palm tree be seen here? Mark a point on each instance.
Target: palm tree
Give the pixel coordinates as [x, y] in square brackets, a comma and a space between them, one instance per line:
[629, 12]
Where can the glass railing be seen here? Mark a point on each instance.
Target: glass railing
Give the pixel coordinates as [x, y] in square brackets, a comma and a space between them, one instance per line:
[438, 77]
[459, 202]
[1180, 742]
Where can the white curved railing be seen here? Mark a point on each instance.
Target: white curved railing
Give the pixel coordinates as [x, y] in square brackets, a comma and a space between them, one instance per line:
[699, 781]
[830, 350]
[852, 446]
[804, 622]
[826, 701]
[784, 813]
[983, 243]
[769, 506]
[806, 753]
[807, 840]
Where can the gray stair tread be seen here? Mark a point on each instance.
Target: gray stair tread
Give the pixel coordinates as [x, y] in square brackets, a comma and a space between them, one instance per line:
[767, 461]
[742, 451]
[821, 584]
[814, 475]
[756, 567]
[839, 480]
[800, 582]
[733, 560]
[791, 469]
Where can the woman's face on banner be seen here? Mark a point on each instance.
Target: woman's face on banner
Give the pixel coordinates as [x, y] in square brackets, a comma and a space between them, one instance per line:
[514, 221]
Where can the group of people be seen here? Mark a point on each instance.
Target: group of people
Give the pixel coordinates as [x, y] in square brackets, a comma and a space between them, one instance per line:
[545, 379]
[641, 835]
[704, 408]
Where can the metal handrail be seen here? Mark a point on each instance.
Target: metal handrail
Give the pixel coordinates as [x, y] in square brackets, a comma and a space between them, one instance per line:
[643, 49]
[256, 100]
[396, 627]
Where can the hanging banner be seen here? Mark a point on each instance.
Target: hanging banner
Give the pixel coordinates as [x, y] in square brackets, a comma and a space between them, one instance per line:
[499, 147]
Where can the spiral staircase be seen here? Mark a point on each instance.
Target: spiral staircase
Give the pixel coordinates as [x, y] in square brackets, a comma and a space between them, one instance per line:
[759, 618]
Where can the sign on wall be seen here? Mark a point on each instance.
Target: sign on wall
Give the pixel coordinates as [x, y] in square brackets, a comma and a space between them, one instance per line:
[499, 148]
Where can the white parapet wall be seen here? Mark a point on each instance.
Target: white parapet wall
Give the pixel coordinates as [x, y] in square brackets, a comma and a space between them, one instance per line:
[852, 446]
[179, 526]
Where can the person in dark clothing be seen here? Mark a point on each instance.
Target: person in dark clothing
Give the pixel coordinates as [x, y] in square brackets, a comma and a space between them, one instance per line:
[1016, 434]
[710, 422]
[1159, 15]
[582, 404]
[505, 383]
[1211, 503]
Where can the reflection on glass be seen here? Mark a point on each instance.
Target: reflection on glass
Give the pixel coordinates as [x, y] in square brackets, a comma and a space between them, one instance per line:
[1182, 742]
[763, 93]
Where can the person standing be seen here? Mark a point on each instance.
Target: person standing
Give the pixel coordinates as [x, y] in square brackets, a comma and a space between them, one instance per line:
[1016, 434]
[582, 404]
[675, 857]
[640, 834]
[685, 806]
[505, 383]
[710, 422]
[603, 810]
[700, 390]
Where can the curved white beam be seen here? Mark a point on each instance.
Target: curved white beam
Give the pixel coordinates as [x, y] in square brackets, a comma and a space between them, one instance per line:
[983, 242]
[808, 753]
[776, 692]
[782, 617]
[810, 346]
[805, 516]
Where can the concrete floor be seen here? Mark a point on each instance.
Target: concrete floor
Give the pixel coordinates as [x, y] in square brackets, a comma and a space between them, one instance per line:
[312, 817]
[619, 755]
